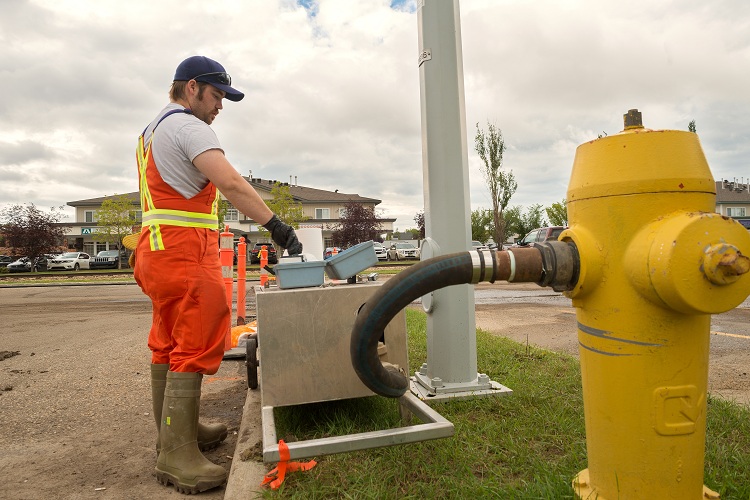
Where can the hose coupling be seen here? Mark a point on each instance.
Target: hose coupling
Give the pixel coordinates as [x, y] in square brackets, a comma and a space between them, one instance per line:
[560, 265]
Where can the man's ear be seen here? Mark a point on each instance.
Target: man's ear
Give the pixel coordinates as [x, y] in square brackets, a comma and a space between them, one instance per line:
[192, 87]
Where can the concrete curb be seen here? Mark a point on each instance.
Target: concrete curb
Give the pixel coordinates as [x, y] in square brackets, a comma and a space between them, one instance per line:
[246, 475]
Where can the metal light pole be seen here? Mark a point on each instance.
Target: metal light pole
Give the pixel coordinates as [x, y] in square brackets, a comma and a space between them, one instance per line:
[451, 367]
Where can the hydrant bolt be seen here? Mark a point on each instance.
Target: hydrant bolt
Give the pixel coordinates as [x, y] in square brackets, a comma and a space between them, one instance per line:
[633, 119]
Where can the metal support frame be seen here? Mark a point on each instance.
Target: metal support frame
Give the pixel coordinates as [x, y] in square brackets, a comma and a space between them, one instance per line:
[434, 427]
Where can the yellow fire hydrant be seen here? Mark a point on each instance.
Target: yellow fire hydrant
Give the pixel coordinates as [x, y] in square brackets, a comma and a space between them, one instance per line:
[655, 263]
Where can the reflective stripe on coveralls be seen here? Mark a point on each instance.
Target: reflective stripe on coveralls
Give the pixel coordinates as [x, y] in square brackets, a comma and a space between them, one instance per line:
[181, 212]
[178, 267]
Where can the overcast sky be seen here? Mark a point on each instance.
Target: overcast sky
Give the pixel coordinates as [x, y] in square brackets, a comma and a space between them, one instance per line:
[332, 88]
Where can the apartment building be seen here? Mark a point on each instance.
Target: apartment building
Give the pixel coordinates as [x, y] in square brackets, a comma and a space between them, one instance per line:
[323, 209]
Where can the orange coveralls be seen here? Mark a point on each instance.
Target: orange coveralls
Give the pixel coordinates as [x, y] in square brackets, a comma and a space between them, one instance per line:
[177, 266]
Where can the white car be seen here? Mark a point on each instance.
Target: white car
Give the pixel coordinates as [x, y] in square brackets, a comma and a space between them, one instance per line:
[401, 251]
[380, 251]
[70, 261]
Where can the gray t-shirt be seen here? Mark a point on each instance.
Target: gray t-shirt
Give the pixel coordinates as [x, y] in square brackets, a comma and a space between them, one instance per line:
[178, 139]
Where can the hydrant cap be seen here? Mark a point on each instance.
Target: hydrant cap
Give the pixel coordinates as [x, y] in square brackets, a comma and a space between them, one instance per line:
[640, 161]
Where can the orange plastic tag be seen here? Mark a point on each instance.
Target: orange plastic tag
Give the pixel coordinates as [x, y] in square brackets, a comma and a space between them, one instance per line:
[276, 476]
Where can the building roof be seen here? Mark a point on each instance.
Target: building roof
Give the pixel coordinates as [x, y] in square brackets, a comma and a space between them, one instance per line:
[732, 192]
[95, 202]
[302, 194]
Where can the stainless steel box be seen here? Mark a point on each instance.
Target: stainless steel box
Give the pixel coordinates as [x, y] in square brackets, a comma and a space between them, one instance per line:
[303, 343]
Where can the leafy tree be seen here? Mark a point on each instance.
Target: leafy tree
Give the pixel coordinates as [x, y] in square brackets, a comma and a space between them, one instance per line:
[415, 233]
[285, 207]
[419, 219]
[481, 224]
[115, 220]
[222, 208]
[31, 232]
[357, 223]
[558, 213]
[521, 223]
[691, 126]
[502, 185]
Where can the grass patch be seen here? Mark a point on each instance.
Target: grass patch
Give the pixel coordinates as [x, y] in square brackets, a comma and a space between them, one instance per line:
[528, 445]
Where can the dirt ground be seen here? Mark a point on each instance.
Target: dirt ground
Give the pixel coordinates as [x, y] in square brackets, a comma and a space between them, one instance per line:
[75, 404]
[75, 400]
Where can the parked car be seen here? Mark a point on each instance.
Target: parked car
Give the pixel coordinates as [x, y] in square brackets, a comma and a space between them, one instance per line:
[400, 251]
[20, 265]
[5, 260]
[540, 235]
[255, 253]
[70, 261]
[107, 259]
[478, 245]
[380, 251]
[328, 253]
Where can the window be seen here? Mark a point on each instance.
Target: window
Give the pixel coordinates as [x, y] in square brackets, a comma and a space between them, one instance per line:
[322, 213]
[89, 216]
[735, 211]
[137, 215]
[232, 215]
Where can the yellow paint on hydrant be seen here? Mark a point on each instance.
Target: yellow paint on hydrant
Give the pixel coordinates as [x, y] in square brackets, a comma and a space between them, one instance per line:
[656, 262]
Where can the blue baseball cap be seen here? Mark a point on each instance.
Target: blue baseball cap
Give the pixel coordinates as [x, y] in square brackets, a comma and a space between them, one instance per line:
[203, 69]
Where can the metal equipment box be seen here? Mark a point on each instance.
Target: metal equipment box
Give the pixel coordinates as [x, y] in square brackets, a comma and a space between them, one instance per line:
[351, 261]
[299, 274]
[303, 343]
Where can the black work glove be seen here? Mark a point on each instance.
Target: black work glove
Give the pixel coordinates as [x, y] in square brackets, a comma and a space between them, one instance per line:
[284, 235]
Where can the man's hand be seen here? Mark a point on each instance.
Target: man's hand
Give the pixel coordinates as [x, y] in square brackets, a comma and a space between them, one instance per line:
[284, 235]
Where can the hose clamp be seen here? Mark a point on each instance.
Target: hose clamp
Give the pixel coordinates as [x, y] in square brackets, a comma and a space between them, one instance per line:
[484, 266]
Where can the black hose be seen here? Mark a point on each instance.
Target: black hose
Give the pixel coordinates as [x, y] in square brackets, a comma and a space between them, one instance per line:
[398, 292]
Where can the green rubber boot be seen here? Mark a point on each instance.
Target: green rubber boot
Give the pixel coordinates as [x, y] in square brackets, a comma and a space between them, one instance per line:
[180, 461]
[209, 435]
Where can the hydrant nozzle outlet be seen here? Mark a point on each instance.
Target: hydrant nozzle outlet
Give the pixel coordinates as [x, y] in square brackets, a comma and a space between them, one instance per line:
[560, 265]
[724, 264]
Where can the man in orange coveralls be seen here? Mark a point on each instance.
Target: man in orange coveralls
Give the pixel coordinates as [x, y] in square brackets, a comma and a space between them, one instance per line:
[180, 167]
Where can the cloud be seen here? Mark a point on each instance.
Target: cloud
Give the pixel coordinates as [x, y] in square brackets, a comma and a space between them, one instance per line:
[333, 88]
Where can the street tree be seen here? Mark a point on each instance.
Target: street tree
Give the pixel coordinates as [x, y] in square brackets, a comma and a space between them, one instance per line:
[490, 147]
[357, 223]
[286, 208]
[419, 219]
[283, 204]
[520, 222]
[481, 224]
[558, 213]
[221, 211]
[30, 231]
[115, 220]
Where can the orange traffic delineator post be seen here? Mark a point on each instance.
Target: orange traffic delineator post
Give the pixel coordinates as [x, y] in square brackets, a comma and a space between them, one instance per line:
[241, 280]
[226, 255]
[263, 263]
